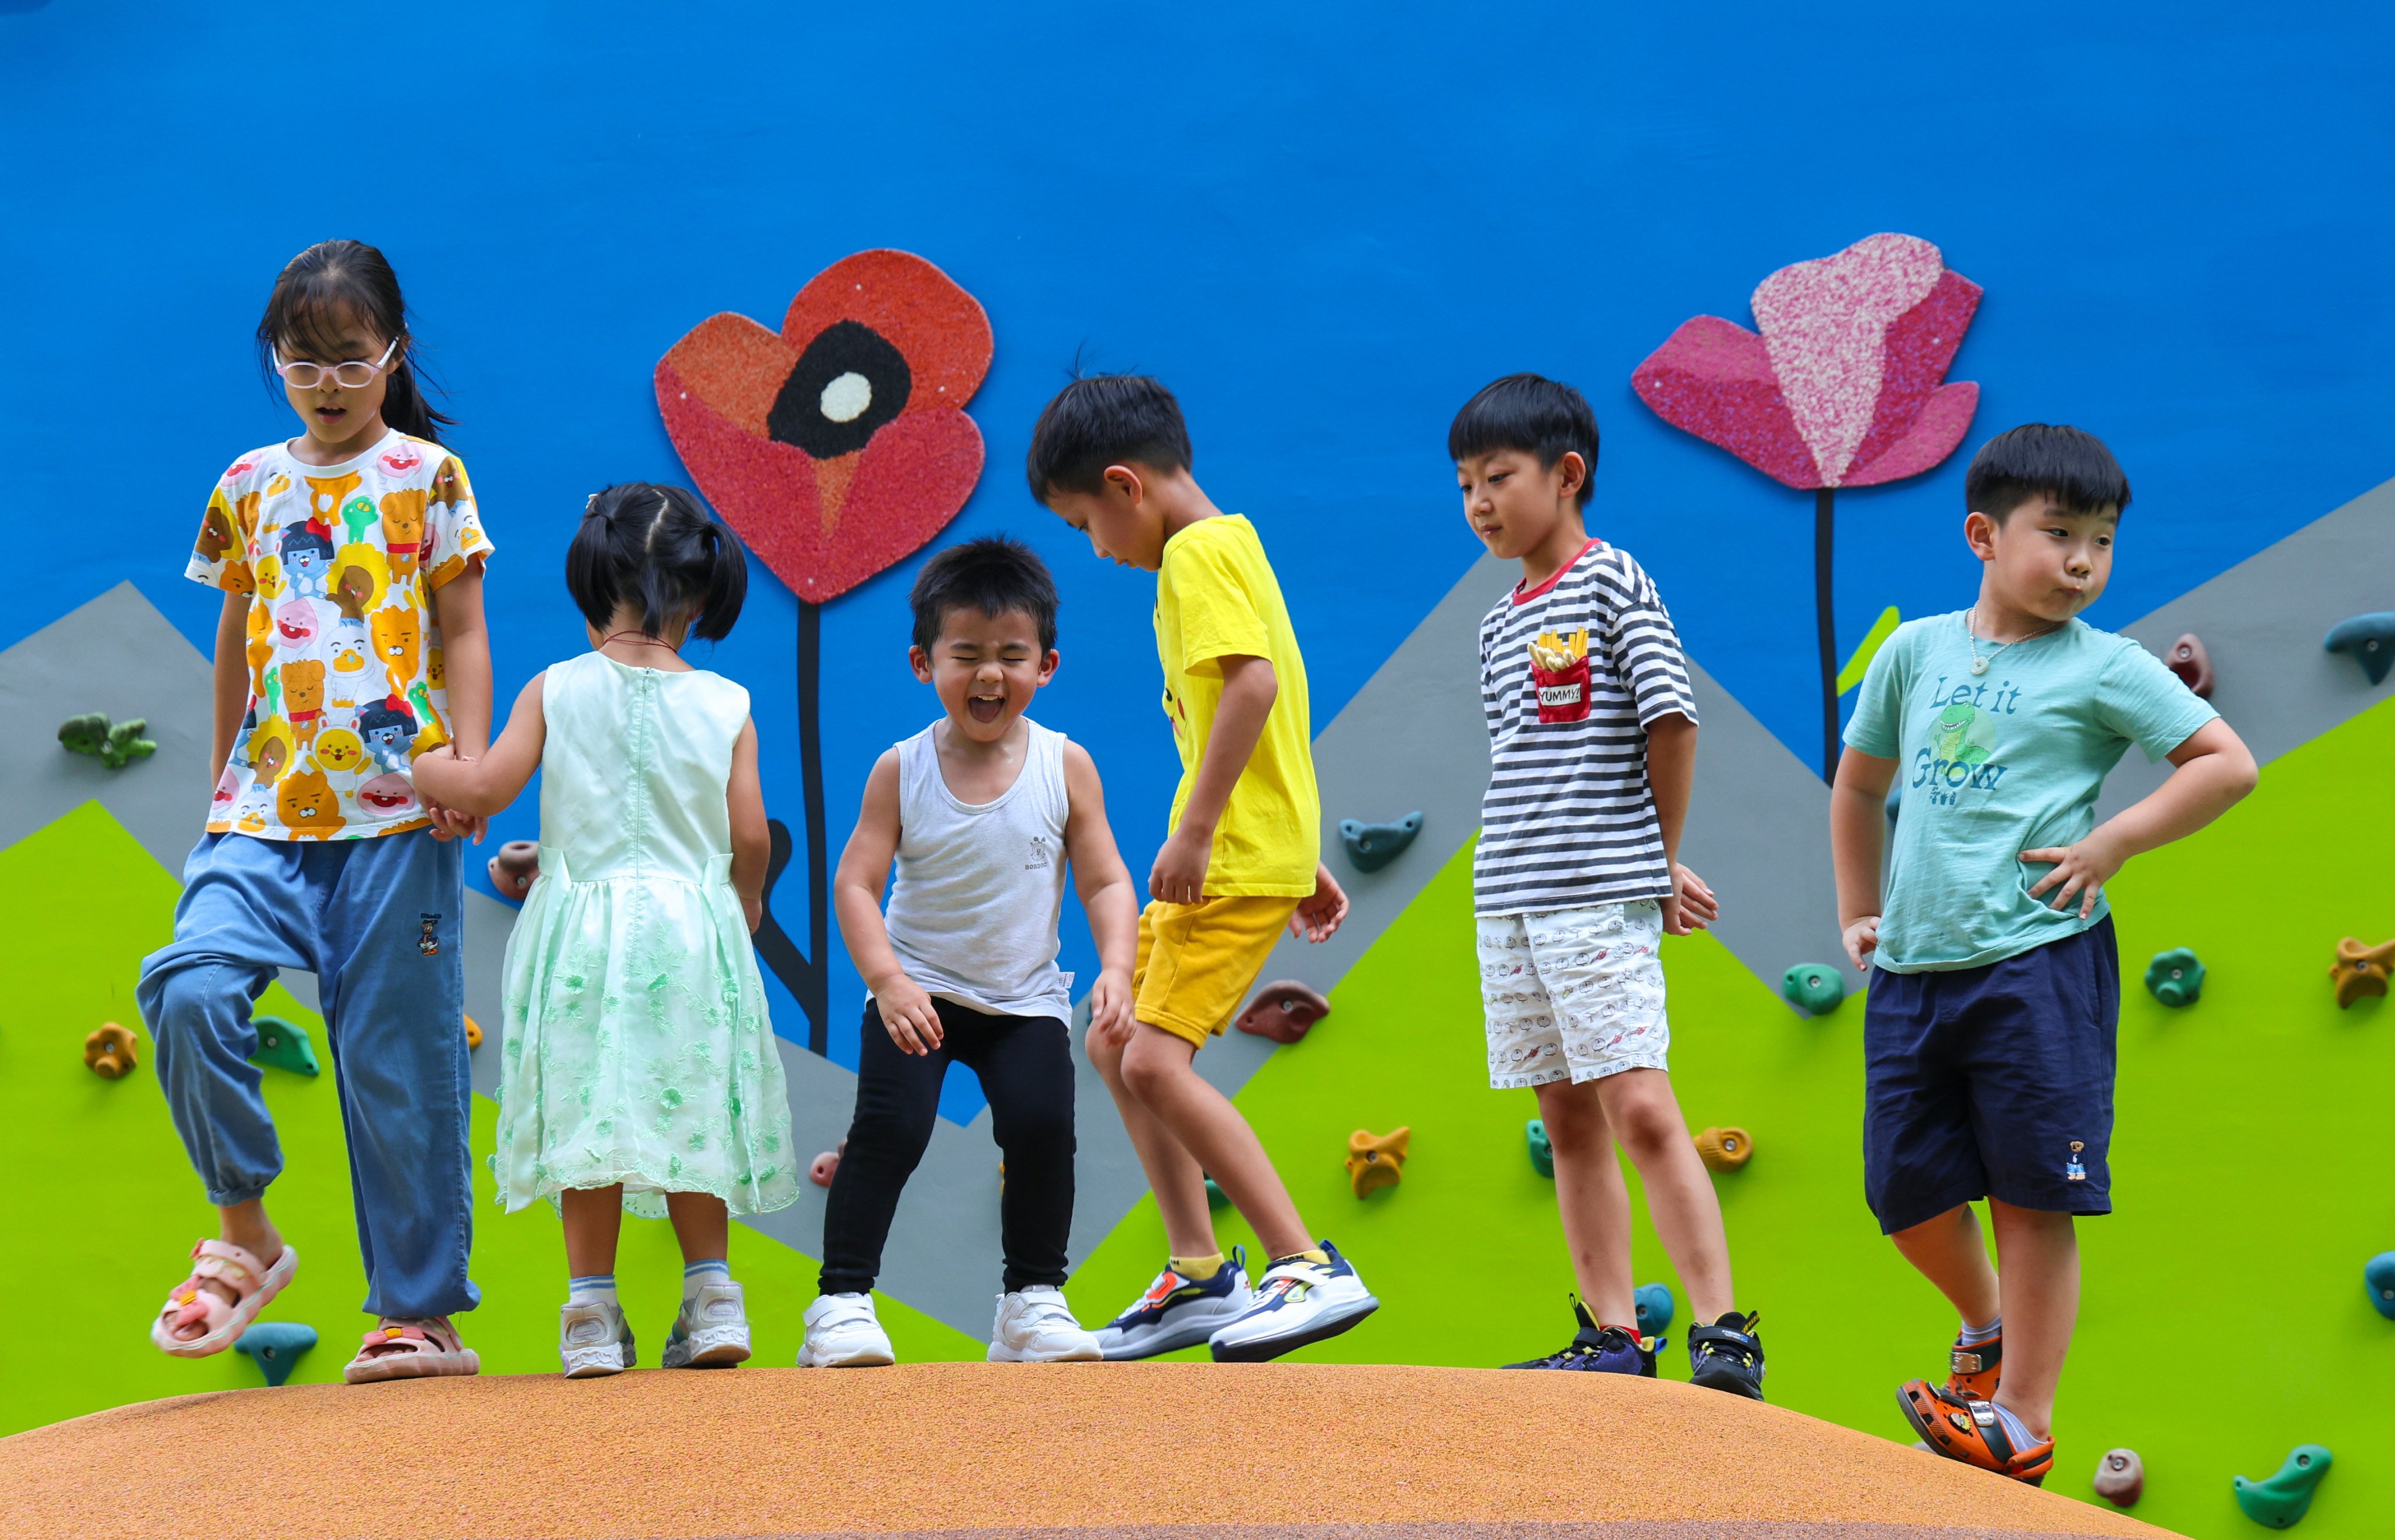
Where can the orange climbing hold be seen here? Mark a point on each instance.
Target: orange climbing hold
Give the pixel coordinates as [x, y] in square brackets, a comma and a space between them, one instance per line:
[2360, 969]
[109, 1052]
[1725, 1148]
[1376, 1160]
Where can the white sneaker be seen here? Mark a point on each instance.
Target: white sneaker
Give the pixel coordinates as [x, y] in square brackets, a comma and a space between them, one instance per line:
[842, 1333]
[1175, 1313]
[594, 1339]
[1298, 1301]
[1035, 1326]
[711, 1332]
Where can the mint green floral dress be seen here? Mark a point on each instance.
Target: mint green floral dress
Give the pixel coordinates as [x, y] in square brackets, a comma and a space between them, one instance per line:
[638, 1047]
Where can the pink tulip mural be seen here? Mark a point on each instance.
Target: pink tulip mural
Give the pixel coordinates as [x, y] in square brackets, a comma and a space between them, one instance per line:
[1842, 384]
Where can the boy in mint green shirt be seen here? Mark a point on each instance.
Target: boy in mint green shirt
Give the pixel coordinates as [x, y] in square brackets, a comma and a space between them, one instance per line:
[1989, 1032]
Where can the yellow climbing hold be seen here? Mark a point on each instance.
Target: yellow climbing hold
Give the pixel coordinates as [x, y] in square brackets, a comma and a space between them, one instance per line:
[1376, 1161]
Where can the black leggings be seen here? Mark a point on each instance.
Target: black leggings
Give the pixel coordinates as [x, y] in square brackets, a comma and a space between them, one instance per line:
[1025, 1066]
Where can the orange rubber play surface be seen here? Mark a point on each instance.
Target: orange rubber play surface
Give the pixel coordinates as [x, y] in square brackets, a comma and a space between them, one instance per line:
[1160, 1452]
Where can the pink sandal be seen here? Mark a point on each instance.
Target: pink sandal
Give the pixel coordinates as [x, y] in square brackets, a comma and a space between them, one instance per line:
[411, 1349]
[190, 1303]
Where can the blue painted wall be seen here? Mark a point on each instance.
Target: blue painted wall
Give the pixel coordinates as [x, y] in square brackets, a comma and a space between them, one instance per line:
[1324, 226]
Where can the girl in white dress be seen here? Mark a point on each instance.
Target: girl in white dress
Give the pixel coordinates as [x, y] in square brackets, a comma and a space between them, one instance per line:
[640, 1066]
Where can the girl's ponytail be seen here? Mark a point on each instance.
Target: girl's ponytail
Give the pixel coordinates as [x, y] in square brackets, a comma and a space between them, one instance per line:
[332, 280]
[655, 550]
[727, 583]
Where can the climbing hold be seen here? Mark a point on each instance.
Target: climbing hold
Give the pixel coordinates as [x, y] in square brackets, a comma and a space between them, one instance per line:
[275, 1346]
[1215, 1197]
[2279, 1501]
[1817, 987]
[1543, 1150]
[1284, 1011]
[283, 1045]
[2368, 640]
[473, 1034]
[1895, 803]
[2175, 977]
[1655, 1309]
[2360, 969]
[2378, 1277]
[1376, 1160]
[2188, 659]
[1725, 1148]
[514, 867]
[1374, 846]
[820, 1172]
[116, 747]
[2120, 1478]
[109, 1052]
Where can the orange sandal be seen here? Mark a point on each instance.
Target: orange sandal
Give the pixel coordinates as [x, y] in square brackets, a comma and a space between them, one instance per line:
[411, 1349]
[1978, 1369]
[1970, 1430]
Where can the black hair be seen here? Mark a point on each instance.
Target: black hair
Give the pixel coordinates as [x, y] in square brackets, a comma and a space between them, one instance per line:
[2070, 465]
[1530, 414]
[334, 280]
[995, 576]
[391, 712]
[655, 548]
[1101, 421]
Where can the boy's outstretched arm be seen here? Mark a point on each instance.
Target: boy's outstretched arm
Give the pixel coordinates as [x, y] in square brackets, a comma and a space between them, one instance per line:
[1671, 773]
[1250, 688]
[1857, 843]
[2215, 769]
[752, 837]
[907, 1013]
[1104, 883]
[479, 786]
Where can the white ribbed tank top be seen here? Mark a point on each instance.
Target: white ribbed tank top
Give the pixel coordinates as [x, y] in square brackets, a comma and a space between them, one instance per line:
[980, 888]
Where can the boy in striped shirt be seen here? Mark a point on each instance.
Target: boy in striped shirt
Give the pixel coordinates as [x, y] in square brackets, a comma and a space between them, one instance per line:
[1593, 737]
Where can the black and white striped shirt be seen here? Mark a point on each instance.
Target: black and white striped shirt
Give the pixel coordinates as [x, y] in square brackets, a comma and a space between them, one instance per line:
[1568, 820]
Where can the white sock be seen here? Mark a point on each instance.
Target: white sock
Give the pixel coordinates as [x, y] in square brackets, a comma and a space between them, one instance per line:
[698, 1274]
[2014, 1429]
[1971, 1336]
[598, 1288]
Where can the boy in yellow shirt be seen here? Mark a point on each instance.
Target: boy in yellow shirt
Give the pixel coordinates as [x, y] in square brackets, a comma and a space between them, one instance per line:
[1111, 456]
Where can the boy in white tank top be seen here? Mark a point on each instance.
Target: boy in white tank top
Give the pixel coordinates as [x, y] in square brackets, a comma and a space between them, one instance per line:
[980, 812]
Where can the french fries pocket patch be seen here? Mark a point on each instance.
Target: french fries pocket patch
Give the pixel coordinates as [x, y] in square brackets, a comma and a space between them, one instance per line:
[1559, 672]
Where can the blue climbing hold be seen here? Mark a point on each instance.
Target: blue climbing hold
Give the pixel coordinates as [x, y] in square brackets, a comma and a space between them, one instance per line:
[2286, 1496]
[2368, 640]
[2175, 977]
[282, 1046]
[2378, 1273]
[1655, 1309]
[1817, 987]
[275, 1346]
[1374, 846]
[1542, 1150]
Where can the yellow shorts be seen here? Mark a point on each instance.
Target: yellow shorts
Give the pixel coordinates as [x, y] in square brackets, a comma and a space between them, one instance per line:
[1198, 961]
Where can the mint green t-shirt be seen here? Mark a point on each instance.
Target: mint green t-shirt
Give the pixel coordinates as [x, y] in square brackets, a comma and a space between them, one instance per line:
[1996, 763]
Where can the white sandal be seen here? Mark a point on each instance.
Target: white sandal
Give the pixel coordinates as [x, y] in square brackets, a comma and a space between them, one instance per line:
[191, 1303]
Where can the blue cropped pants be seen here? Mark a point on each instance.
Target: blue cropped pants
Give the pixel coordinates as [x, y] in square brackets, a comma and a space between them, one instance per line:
[377, 921]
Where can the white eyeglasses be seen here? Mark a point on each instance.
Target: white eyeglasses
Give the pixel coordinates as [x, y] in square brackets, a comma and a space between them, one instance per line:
[354, 374]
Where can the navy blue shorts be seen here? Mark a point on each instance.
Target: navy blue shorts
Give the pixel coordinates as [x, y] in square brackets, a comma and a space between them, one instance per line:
[1993, 1082]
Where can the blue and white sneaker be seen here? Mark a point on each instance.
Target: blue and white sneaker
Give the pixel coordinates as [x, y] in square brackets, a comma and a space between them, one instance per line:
[1175, 1313]
[1299, 1300]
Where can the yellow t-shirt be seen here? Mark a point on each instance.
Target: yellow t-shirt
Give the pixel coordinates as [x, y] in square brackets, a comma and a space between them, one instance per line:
[1215, 598]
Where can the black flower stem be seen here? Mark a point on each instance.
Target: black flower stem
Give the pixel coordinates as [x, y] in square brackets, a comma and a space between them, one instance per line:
[1824, 524]
[816, 998]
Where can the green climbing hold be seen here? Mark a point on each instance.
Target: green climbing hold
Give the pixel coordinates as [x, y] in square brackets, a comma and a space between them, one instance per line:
[2285, 1497]
[1817, 987]
[1216, 1196]
[2368, 640]
[116, 747]
[2175, 977]
[1374, 846]
[1543, 1150]
[1655, 1309]
[283, 1045]
[2378, 1277]
[275, 1346]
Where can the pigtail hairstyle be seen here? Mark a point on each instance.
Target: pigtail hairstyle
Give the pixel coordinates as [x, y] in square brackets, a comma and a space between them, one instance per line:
[655, 549]
[319, 288]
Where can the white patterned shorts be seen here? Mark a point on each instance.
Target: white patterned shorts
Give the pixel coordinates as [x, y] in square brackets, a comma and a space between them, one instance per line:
[1574, 993]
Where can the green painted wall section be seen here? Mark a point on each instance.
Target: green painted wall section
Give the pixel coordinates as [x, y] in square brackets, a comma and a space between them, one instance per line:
[104, 1207]
[2225, 1320]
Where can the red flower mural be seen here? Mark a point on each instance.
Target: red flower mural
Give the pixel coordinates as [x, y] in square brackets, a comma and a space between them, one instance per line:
[1842, 384]
[834, 448]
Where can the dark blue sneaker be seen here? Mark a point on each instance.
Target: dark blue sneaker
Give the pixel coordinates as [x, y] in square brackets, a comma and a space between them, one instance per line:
[1603, 1350]
[1175, 1313]
[1727, 1356]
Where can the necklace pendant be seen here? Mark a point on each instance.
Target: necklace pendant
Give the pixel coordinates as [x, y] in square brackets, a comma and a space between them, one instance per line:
[1979, 665]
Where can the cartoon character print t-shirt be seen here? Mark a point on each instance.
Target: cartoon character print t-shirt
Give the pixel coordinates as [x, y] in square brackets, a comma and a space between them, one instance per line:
[1994, 759]
[346, 685]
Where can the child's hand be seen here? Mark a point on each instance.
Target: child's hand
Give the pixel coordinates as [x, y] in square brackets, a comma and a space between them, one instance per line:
[908, 1015]
[1110, 1008]
[1320, 918]
[1863, 940]
[2082, 869]
[1179, 876]
[754, 910]
[1691, 905]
